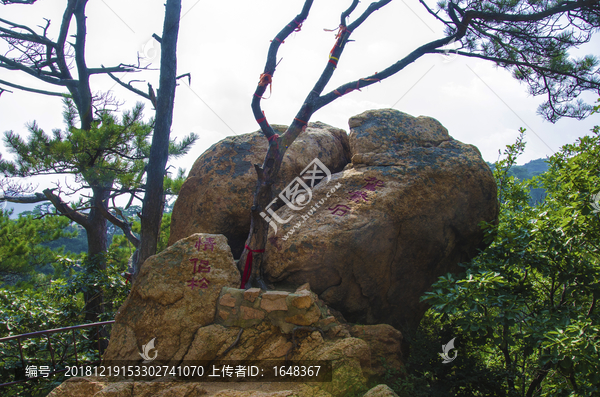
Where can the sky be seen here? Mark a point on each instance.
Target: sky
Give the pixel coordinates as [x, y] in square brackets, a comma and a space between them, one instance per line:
[223, 44]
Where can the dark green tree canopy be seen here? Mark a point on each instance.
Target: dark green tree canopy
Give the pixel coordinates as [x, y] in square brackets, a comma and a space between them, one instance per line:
[20, 241]
[112, 157]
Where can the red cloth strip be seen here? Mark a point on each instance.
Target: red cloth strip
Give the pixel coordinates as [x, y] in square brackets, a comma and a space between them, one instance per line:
[248, 267]
[274, 137]
[298, 25]
[265, 79]
[301, 121]
[263, 118]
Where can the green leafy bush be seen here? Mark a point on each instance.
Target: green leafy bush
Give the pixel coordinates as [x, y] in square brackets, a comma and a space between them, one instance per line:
[530, 299]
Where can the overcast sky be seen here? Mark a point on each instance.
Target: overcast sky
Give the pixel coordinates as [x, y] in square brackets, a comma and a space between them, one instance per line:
[223, 44]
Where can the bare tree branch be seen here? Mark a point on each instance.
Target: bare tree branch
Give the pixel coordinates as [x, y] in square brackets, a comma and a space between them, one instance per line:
[20, 87]
[129, 87]
[267, 75]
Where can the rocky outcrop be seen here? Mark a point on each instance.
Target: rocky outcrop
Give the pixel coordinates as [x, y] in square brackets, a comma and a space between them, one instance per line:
[217, 194]
[404, 212]
[235, 338]
[184, 303]
[173, 296]
[378, 232]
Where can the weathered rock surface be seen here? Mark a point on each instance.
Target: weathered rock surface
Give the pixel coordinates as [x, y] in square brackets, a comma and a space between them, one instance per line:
[381, 391]
[175, 293]
[98, 387]
[405, 211]
[351, 357]
[217, 195]
[385, 343]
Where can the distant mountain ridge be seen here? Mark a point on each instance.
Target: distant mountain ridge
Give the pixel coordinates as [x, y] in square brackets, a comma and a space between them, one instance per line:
[528, 171]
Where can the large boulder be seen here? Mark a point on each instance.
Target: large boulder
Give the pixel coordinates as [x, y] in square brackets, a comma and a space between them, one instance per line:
[404, 212]
[173, 296]
[217, 195]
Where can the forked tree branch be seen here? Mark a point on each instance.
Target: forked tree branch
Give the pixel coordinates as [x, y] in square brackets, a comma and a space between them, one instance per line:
[66, 210]
[124, 226]
[269, 71]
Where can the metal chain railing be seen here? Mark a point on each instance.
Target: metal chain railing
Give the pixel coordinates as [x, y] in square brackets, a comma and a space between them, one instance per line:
[59, 353]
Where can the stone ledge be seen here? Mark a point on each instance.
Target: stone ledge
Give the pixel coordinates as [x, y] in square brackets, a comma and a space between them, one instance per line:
[246, 308]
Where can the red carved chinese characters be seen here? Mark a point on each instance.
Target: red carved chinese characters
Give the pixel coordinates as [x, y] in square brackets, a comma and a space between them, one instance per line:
[358, 196]
[209, 244]
[203, 283]
[192, 283]
[201, 265]
[373, 183]
[334, 210]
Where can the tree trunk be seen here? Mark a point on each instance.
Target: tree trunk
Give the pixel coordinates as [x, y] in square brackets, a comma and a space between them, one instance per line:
[250, 263]
[536, 384]
[96, 230]
[153, 199]
[84, 106]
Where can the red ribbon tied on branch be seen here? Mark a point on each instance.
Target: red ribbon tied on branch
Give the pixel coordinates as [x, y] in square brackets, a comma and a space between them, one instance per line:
[275, 138]
[265, 81]
[248, 267]
[338, 36]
